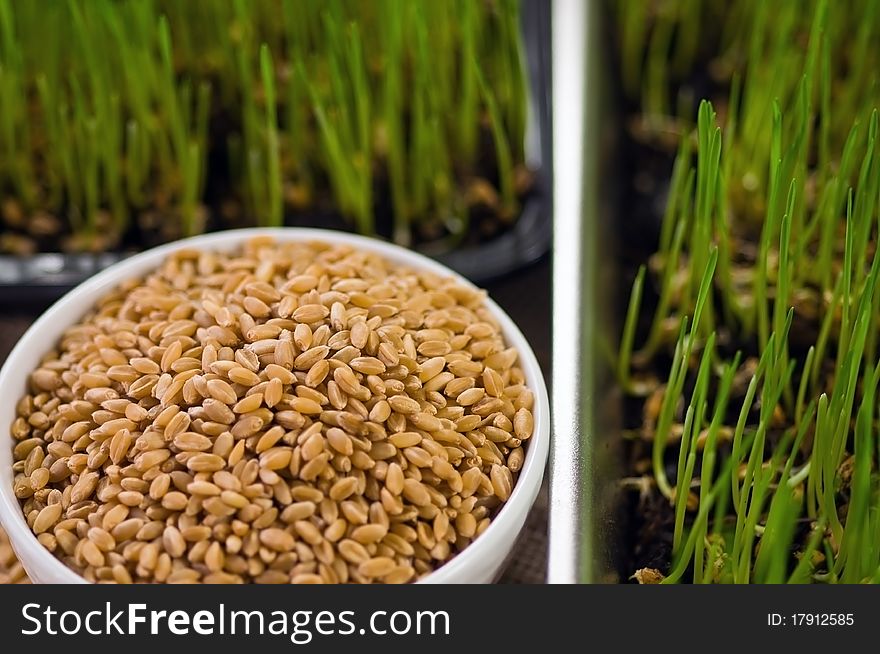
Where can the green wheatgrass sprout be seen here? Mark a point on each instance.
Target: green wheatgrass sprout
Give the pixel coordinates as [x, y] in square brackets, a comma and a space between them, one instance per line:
[102, 128]
[267, 72]
[306, 100]
[663, 43]
[659, 43]
[343, 113]
[187, 132]
[368, 94]
[795, 475]
[392, 114]
[14, 142]
[771, 437]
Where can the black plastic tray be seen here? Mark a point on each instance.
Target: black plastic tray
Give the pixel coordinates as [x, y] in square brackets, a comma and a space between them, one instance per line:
[41, 278]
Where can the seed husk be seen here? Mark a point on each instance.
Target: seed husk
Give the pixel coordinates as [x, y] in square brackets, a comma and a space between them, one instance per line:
[278, 540]
[298, 511]
[243, 376]
[249, 403]
[47, 517]
[311, 313]
[340, 441]
[370, 533]
[204, 462]
[523, 424]
[501, 482]
[404, 404]
[343, 488]
[222, 391]
[377, 566]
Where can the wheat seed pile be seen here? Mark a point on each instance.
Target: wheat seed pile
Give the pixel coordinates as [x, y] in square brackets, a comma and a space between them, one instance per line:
[11, 571]
[292, 412]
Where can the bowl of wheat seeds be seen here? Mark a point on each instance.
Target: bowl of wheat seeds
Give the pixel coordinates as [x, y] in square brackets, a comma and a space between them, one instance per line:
[271, 406]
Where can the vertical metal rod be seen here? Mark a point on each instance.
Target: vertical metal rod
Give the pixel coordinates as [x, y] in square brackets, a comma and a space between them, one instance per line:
[573, 502]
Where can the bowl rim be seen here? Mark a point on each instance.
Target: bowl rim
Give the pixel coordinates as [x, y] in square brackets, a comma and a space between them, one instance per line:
[492, 540]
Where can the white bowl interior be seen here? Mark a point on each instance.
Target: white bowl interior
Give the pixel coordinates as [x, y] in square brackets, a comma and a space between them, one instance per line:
[479, 562]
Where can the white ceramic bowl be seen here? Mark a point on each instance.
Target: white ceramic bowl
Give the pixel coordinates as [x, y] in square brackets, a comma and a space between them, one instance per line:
[479, 563]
